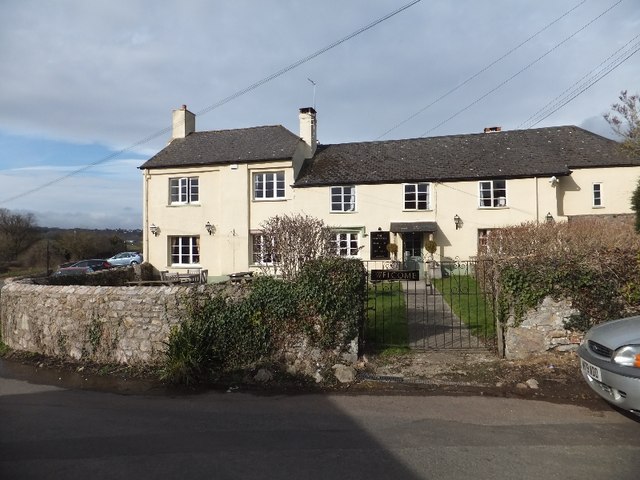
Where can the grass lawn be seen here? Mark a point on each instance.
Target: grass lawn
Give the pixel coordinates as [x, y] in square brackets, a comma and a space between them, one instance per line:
[386, 323]
[467, 300]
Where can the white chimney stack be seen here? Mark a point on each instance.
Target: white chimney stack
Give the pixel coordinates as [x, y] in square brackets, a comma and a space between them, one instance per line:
[308, 129]
[184, 122]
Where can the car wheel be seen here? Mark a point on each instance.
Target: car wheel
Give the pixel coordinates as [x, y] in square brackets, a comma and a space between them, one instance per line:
[134, 263]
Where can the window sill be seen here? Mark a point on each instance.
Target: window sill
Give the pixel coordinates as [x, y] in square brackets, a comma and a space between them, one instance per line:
[419, 210]
[341, 212]
[506, 207]
[282, 199]
[599, 207]
[174, 205]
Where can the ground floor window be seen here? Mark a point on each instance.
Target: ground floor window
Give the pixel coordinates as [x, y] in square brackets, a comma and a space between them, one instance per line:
[347, 244]
[260, 251]
[484, 239]
[185, 250]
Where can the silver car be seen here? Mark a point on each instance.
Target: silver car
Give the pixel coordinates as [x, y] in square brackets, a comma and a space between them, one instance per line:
[125, 258]
[610, 362]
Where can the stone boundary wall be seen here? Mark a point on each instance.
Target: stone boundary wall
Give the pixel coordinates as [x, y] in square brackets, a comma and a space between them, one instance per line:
[542, 331]
[127, 325]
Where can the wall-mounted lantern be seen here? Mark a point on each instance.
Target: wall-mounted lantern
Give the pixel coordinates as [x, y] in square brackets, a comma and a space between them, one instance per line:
[155, 230]
[549, 218]
[211, 229]
[458, 221]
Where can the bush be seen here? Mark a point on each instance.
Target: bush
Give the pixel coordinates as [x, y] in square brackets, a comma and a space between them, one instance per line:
[225, 331]
[592, 262]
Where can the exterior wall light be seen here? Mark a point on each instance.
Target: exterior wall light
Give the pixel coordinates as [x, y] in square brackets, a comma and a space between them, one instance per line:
[154, 229]
[211, 229]
[458, 221]
[549, 218]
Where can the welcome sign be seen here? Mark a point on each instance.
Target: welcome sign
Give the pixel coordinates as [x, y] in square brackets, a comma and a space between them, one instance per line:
[379, 275]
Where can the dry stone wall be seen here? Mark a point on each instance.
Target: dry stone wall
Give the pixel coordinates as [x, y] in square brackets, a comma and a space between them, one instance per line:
[541, 331]
[127, 325]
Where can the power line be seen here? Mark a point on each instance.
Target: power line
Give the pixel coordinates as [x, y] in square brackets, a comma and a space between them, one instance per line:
[583, 84]
[558, 45]
[224, 101]
[479, 72]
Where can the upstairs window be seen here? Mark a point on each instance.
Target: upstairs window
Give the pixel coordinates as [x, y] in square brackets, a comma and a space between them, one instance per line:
[493, 194]
[347, 244]
[184, 190]
[416, 196]
[185, 250]
[268, 185]
[343, 199]
[597, 195]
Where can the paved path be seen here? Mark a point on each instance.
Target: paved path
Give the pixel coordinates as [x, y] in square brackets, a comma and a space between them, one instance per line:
[432, 324]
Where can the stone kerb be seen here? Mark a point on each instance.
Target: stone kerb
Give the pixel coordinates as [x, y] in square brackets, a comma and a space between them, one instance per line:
[127, 325]
[541, 331]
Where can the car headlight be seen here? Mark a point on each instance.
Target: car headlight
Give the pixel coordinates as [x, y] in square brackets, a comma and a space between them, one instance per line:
[629, 356]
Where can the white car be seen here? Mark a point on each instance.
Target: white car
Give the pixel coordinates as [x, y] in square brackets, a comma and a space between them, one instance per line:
[610, 362]
[125, 258]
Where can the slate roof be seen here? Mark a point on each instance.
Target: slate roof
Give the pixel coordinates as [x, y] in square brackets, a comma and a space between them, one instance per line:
[509, 154]
[227, 146]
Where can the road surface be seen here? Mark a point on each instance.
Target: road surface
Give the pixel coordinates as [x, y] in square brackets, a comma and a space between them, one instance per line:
[47, 432]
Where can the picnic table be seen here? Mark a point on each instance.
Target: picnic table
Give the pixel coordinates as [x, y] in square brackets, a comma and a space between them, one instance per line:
[191, 276]
[151, 283]
[240, 277]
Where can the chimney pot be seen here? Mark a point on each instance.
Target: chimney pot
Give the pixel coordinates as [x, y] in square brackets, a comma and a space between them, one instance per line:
[183, 123]
[308, 129]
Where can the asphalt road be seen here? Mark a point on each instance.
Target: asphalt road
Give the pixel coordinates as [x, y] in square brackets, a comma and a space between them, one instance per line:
[47, 432]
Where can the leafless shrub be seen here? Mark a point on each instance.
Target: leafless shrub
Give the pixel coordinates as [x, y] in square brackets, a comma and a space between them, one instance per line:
[290, 241]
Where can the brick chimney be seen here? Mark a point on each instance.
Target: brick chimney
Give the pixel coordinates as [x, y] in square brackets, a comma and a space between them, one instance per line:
[308, 129]
[184, 122]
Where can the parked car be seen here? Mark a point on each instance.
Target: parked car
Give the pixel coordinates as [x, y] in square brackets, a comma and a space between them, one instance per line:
[610, 362]
[72, 271]
[125, 258]
[94, 263]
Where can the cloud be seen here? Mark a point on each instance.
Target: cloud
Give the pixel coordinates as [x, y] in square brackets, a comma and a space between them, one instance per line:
[97, 78]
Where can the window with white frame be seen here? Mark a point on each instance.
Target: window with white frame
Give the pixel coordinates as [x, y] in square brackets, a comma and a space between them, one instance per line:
[597, 195]
[184, 190]
[343, 199]
[260, 251]
[268, 185]
[347, 244]
[492, 193]
[185, 250]
[416, 196]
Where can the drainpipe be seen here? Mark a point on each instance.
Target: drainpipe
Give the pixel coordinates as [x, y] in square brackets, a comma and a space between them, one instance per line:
[145, 214]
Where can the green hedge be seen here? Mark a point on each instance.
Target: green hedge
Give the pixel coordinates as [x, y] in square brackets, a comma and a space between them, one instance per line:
[226, 331]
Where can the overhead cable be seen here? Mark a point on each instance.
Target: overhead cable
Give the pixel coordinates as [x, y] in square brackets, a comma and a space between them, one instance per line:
[522, 70]
[479, 72]
[224, 101]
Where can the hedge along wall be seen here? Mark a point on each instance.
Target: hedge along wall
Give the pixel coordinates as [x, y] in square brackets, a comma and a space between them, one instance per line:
[102, 324]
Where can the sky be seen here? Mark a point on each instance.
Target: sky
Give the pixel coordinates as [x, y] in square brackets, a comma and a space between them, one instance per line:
[87, 87]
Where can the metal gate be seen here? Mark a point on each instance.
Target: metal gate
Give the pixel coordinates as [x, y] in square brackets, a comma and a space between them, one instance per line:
[445, 305]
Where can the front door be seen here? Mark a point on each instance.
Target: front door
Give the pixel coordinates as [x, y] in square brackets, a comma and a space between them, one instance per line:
[412, 251]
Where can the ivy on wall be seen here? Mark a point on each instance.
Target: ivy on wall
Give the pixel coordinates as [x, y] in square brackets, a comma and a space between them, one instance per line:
[593, 262]
[226, 331]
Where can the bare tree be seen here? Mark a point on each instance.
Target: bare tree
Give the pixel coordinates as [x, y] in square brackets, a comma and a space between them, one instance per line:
[17, 233]
[288, 242]
[624, 119]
